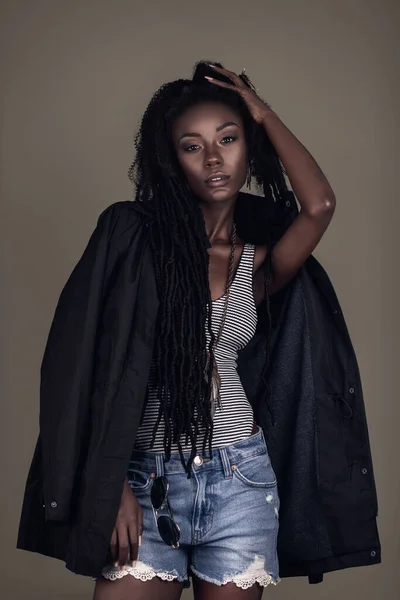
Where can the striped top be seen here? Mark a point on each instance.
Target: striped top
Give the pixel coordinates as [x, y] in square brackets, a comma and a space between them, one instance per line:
[234, 420]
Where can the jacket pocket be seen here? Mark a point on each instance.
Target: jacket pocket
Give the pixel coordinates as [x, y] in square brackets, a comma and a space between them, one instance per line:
[256, 472]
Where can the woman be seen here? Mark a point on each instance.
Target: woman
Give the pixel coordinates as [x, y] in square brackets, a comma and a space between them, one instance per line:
[214, 134]
[159, 383]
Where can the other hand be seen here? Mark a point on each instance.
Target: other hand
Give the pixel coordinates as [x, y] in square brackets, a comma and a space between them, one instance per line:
[127, 534]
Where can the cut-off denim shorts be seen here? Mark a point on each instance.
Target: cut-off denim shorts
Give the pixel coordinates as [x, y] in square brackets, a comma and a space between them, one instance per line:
[227, 512]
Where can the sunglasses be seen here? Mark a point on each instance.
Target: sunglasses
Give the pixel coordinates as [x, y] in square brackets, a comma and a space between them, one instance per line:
[167, 528]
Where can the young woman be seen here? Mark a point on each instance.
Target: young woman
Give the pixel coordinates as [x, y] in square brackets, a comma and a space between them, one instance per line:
[196, 339]
[200, 141]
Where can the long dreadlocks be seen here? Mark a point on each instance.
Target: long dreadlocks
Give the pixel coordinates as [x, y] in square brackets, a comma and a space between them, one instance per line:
[179, 244]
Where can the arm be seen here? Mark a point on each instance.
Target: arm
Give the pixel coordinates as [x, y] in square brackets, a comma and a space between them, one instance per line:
[315, 197]
[313, 191]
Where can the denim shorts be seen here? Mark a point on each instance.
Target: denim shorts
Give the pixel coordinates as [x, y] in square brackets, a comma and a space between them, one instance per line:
[227, 512]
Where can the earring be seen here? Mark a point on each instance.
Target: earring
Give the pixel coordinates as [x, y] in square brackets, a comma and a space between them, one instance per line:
[248, 178]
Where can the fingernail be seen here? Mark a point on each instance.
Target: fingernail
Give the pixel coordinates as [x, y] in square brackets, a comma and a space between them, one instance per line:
[209, 78]
[140, 540]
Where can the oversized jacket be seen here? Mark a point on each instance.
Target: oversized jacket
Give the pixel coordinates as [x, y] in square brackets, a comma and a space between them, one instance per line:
[93, 389]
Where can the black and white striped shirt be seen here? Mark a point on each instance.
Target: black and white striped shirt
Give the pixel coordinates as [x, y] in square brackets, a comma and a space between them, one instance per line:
[234, 420]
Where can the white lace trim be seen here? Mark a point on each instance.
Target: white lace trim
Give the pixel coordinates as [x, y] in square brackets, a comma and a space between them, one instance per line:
[255, 573]
[139, 571]
[244, 583]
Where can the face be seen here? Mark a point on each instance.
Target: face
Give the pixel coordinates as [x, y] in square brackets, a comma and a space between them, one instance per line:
[211, 148]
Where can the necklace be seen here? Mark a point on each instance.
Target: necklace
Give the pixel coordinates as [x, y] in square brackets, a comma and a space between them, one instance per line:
[215, 376]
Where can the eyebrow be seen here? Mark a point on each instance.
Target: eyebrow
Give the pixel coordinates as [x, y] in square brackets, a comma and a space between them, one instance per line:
[223, 126]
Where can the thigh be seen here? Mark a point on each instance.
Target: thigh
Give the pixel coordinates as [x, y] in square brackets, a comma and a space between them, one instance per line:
[203, 590]
[129, 588]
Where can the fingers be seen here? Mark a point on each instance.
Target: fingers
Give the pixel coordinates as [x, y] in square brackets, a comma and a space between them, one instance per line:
[140, 520]
[126, 536]
[133, 542]
[123, 545]
[230, 74]
[220, 83]
[135, 534]
[126, 540]
[114, 545]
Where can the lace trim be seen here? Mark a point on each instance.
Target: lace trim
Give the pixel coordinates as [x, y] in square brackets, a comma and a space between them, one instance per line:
[141, 571]
[255, 573]
[245, 583]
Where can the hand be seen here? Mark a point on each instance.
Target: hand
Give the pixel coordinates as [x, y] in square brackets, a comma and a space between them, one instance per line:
[258, 109]
[127, 534]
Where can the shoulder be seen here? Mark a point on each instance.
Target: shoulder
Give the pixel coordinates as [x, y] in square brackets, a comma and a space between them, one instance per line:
[130, 210]
[122, 218]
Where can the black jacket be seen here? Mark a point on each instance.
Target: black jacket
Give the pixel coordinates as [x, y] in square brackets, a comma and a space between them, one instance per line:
[93, 387]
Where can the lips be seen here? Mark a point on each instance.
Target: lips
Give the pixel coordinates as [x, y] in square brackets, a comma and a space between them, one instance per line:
[217, 179]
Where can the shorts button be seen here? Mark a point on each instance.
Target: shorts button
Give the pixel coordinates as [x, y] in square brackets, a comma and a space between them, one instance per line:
[198, 461]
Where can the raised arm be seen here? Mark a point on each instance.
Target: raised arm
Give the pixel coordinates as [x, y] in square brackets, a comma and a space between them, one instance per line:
[315, 197]
[309, 184]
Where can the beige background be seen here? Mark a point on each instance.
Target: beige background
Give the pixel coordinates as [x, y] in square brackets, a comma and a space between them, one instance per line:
[76, 75]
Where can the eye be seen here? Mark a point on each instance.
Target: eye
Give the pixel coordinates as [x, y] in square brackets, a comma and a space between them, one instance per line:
[228, 139]
[191, 148]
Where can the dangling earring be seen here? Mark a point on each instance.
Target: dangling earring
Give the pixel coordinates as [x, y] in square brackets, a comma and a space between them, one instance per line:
[248, 179]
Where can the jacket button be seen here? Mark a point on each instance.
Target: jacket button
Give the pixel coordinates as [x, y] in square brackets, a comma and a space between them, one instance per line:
[53, 504]
[351, 390]
[373, 553]
[364, 471]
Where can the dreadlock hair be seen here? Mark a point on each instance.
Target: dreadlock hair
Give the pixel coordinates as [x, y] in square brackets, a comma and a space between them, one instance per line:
[179, 245]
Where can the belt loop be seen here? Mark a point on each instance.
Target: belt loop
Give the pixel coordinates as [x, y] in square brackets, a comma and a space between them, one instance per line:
[160, 465]
[226, 463]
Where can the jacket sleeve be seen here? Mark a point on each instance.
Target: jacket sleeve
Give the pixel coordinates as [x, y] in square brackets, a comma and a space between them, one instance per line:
[67, 367]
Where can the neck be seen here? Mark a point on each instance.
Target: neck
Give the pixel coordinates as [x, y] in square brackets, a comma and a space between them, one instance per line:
[218, 217]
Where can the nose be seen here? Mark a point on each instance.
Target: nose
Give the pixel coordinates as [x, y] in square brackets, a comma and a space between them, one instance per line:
[213, 159]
